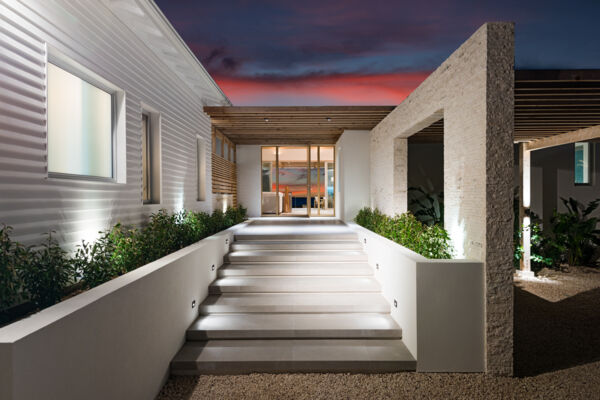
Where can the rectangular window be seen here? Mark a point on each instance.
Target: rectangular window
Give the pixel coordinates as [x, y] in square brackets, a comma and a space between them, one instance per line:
[582, 163]
[201, 166]
[146, 160]
[80, 126]
[219, 146]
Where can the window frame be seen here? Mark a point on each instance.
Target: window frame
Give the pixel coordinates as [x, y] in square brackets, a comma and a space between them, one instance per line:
[148, 165]
[81, 73]
[589, 166]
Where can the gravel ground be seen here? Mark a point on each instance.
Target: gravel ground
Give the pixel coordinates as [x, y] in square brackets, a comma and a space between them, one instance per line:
[557, 356]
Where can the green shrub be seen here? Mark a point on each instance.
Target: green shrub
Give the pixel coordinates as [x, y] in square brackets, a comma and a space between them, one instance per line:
[46, 272]
[575, 237]
[11, 256]
[431, 241]
[42, 274]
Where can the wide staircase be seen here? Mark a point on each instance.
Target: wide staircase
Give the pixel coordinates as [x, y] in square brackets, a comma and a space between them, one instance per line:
[294, 296]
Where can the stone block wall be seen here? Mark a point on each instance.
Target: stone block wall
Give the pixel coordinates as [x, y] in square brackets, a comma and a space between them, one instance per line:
[473, 90]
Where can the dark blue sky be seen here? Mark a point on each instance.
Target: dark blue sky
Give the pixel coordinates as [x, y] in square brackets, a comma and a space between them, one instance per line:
[310, 52]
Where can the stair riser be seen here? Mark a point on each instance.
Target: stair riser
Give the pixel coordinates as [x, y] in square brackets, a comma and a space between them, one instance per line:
[297, 289]
[241, 367]
[292, 245]
[326, 309]
[276, 237]
[308, 257]
[293, 269]
[295, 334]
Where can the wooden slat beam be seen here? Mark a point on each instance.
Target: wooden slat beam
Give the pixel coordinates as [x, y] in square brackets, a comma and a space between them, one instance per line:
[580, 135]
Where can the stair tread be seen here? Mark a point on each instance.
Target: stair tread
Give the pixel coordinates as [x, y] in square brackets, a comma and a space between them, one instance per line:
[321, 325]
[295, 284]
[314, 268]
[296, 255]
[243, 356]
[295, 302]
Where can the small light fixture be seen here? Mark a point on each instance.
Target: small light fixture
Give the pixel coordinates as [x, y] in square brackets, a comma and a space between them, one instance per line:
[395, 304]
[193, 303]
[328, 119]
[266, 119]
[212, 268]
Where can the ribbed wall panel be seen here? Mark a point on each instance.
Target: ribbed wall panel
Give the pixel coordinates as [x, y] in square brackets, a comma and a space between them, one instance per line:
[97, 37]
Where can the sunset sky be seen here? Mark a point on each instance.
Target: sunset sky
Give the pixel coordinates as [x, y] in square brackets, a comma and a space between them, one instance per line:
[317, 52]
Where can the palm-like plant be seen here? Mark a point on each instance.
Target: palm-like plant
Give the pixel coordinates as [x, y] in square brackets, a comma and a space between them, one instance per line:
[575, 233]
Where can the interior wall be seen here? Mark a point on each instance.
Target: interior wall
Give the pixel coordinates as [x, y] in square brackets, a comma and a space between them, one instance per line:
[352, 176]
[552, 177]
[248, 174]
[473, 90]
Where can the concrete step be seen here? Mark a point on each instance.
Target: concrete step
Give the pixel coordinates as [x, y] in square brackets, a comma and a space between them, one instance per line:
[294, 303]
[296, 269]
[294, 326]
[302, 236]
[296, 245]
[295, 256]
[305, 355]
[304, 284]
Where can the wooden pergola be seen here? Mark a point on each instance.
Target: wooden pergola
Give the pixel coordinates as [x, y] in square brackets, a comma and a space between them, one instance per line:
[548, 103]
[293, 125]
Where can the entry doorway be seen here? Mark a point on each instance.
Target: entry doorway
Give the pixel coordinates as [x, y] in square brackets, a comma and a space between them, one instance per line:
[298, 180]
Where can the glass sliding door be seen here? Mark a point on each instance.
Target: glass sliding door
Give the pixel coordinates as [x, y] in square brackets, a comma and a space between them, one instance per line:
[270, 200]
[293, 181]
[297, 180]
[322, 162]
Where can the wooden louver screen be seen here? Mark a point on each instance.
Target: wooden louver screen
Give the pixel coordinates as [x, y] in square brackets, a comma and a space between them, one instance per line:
[224, 176]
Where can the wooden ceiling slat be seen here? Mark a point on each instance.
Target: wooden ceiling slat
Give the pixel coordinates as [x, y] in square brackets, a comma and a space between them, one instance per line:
[304, 124]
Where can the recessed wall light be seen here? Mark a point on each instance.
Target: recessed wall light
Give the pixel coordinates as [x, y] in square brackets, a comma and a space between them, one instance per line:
[266, 119]
[328, 119]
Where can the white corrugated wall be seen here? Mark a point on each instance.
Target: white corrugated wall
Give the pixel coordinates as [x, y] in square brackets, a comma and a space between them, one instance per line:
[90, 33]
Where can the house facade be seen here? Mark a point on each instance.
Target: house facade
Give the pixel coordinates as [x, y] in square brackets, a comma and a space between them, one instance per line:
[106, 116]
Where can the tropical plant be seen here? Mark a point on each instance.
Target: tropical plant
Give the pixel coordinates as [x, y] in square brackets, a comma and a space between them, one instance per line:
[11, 255]
[539, 257]
[575, 236]
[427, 207]
[46, 272]
[431, 241]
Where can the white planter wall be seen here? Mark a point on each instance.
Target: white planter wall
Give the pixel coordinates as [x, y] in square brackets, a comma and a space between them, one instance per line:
[439, 304]
[116, 340]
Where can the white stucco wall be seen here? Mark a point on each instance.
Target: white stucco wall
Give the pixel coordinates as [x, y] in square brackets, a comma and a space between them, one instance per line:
[248, 175]
[353, 177]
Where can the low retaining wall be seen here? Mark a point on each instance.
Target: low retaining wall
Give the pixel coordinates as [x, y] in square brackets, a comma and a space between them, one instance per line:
[116, 340]
[439, 304]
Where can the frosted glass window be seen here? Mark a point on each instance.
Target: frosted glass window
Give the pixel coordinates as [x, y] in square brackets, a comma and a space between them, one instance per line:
[79, 126]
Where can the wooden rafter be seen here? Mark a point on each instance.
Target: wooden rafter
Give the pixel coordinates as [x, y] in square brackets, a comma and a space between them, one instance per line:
[293, 125]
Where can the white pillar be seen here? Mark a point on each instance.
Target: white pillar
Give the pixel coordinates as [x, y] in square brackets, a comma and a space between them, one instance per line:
[524, 208]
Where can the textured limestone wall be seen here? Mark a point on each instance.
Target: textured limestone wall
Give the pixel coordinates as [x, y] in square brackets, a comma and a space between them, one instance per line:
[473, 91]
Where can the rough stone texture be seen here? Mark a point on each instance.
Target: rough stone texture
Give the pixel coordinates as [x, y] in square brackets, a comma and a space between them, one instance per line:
[473, 91]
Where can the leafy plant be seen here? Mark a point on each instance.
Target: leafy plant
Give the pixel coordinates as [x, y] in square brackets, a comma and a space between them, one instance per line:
[11, 255]
[575, 236]
[93, 262]
[431, 241]
[46, 272]
[427, 207]
[539, 255]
